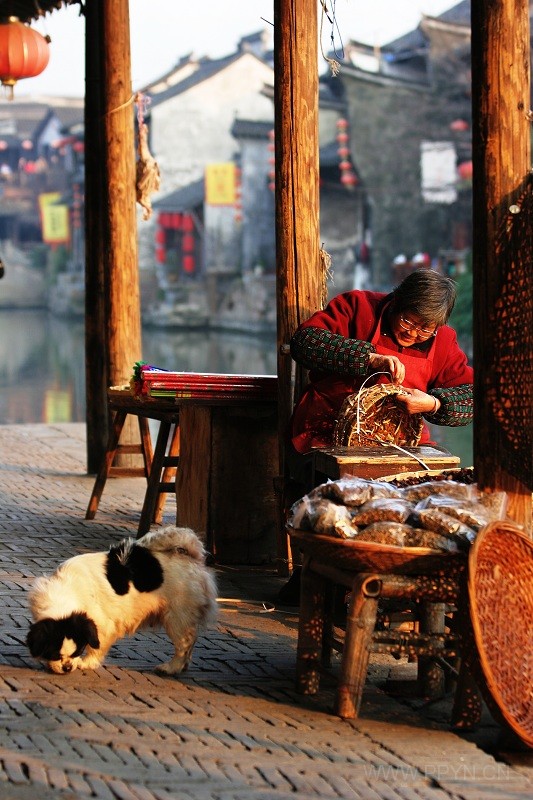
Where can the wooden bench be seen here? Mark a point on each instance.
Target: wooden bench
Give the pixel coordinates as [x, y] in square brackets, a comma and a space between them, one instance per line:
[159, 463]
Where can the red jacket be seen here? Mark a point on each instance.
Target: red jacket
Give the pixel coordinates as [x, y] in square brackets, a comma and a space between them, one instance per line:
[355, 315]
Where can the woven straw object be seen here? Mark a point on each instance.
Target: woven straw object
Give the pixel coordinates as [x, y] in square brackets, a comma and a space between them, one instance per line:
[500, 587]
[372, 415]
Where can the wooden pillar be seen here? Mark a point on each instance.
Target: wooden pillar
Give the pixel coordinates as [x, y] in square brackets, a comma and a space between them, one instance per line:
[122, 272]
[96, 362]
[299, 275]
[502, 251]
[113, 337]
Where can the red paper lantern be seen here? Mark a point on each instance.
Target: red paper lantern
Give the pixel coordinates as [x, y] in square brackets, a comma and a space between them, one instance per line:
[188, 223]
[24, 53]
[176, 221]
[349, 179]
[161, 255]
[465, 170]
[187, 243]
[188, 264]
[160, 236]
[459, 125]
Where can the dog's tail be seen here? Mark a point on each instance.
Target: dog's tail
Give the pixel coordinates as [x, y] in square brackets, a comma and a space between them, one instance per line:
[172, 540]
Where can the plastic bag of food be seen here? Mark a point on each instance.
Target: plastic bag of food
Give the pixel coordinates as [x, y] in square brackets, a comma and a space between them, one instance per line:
[434, 520]
[449, 488]
[473, 514]
[394, 533]
[332, 519]
[382, 508]
[420, 537]
[299, 514]
[495, 503]
[353, 491]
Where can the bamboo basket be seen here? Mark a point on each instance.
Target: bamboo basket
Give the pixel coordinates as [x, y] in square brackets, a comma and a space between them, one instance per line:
[357, 556]
[500, 587]
[371, 415]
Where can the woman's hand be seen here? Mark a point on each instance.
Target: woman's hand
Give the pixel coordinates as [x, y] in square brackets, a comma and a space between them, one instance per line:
[418, 402]
[391, 364]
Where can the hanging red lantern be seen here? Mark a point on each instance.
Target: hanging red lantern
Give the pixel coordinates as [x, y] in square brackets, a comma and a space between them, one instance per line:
[342, 138]
[459, 125]
[342, 123]
[160, 236]
[187, 223]
[24, 53]
[349, 179]
[465, 170]
[176, 221]
[344, 165]
[187, 243]
[161, 255]
[343, 152]
[188, 264]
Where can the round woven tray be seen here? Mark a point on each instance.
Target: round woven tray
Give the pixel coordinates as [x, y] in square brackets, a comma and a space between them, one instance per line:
[349, 554]
[372, 415]
[500, 587]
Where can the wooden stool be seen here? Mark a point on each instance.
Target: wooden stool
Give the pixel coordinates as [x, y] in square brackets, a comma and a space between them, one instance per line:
[316, 640]
[159, 467]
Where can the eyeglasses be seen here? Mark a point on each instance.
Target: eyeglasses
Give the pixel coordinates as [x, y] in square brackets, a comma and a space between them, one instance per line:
[406, 325]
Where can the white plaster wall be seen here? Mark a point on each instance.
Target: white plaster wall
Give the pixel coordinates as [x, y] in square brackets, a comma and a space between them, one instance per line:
[192, 129]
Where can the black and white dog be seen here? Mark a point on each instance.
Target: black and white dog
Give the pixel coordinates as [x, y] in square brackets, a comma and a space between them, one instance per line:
[94, 599]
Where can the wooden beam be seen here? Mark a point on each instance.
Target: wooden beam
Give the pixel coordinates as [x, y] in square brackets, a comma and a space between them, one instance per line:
[502, 251]
[299, 276]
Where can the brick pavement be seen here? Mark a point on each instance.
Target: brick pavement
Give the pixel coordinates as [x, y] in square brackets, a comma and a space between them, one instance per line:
[231, 728]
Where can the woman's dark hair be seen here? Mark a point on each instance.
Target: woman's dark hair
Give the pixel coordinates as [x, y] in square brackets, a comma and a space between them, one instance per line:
[427, 294]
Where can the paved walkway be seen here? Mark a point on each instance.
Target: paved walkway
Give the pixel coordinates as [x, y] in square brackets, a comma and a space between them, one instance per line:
[233, 727]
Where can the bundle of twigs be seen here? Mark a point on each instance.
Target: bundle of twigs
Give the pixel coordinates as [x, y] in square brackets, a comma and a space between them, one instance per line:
[372, 416]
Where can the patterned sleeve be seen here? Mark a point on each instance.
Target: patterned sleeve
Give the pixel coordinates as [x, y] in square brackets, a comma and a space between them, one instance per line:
[316, 348]
[456, 406]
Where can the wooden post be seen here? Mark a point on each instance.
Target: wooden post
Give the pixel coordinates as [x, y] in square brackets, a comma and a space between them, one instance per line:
[96, 366]
[122, 273]
[502, 252]
[113, 320]
[299, 276]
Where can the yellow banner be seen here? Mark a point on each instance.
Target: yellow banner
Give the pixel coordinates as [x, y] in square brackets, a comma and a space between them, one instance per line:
[54, 219]
[220, 184]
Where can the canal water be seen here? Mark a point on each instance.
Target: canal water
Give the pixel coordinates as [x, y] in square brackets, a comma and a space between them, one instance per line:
[42, 369]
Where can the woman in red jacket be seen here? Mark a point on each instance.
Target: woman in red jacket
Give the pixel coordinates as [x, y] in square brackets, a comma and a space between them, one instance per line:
[404, 334]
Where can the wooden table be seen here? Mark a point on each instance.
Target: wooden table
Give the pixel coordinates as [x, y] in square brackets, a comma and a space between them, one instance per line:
[228, 462]
[225, 482]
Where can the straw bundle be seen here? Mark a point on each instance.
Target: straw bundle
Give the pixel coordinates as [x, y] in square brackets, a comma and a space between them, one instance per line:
[373, 415]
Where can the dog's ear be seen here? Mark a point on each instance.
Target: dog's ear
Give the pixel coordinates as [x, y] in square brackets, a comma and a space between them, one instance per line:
[85, 630]
[39, 636]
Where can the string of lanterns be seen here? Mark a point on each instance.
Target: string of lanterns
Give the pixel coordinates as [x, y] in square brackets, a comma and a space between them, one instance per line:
[348, 176]
[24, 53]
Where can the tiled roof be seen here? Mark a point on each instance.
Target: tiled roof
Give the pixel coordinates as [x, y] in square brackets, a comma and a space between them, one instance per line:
[26, 10]
[182, 199]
